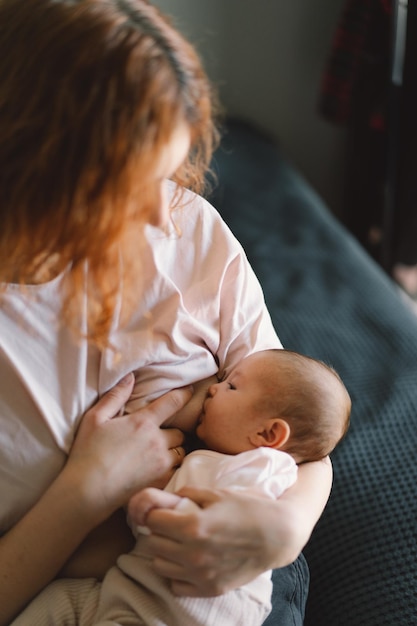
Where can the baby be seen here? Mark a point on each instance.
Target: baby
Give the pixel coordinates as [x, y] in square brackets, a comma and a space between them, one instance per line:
[275, 410]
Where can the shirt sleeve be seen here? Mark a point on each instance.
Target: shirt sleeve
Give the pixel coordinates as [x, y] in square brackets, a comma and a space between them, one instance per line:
[245, 324]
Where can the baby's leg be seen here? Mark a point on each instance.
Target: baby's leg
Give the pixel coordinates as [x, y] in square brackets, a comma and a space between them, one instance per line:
[66, 602]
[122, 620]
[133, 594]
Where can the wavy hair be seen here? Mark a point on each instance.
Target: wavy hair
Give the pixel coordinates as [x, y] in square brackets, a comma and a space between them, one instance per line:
[90, 91]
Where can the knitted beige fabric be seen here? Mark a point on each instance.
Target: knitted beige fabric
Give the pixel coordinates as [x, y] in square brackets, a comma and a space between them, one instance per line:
[66, 602]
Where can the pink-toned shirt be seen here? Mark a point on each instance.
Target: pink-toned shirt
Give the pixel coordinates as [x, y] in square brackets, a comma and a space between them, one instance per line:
[199, 307]
[263, 472]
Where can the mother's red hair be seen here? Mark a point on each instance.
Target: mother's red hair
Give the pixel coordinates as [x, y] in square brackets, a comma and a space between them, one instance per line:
[89, 92]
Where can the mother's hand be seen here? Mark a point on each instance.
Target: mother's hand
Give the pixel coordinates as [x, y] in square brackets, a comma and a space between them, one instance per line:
[235, 536]
[111, 458]
[216, 549]
[113, 455]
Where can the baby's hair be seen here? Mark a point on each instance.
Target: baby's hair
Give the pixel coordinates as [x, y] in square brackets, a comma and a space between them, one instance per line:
[311, 397]
[90, 91]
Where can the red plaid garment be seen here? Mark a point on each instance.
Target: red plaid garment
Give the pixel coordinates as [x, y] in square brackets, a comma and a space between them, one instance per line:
[359, 40]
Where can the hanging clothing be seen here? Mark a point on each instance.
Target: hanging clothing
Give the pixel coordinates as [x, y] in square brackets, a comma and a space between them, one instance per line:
[405, 216]
[380, 205]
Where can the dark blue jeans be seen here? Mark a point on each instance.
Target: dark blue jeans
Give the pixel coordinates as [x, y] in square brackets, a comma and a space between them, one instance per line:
[289, 595]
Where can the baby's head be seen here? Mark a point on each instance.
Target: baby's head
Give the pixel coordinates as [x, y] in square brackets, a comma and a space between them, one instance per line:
[278, 399]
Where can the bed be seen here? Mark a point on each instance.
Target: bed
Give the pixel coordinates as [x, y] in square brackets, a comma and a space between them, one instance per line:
[328, 299]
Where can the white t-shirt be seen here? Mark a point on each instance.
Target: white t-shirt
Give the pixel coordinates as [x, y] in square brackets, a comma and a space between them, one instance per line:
[199, 307]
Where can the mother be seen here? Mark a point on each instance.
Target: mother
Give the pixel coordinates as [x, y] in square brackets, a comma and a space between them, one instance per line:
[107, 269]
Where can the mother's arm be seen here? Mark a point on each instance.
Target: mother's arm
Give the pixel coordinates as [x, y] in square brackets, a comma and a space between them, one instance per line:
[100, 475]
[303, 505]
[35, 549]
[235, 536]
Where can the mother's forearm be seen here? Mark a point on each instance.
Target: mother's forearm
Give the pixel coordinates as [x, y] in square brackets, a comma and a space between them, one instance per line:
[100, 549]
[299, 509]
[36, 548]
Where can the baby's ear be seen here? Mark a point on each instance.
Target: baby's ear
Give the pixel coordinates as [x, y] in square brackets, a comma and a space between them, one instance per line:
[274, 433]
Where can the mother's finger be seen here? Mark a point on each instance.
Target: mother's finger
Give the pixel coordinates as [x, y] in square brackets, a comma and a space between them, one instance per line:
[202, 497]
[161, 409]
[169, 569]
[187, 589]
[179, 454]
[113, 400]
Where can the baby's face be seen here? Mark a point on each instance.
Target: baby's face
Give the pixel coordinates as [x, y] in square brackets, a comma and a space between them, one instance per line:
[230, 413]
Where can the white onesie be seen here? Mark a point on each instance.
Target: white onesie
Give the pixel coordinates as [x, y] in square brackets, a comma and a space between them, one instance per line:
[132, 590]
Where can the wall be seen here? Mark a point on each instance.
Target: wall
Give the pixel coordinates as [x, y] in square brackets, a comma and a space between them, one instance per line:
[266, 58]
